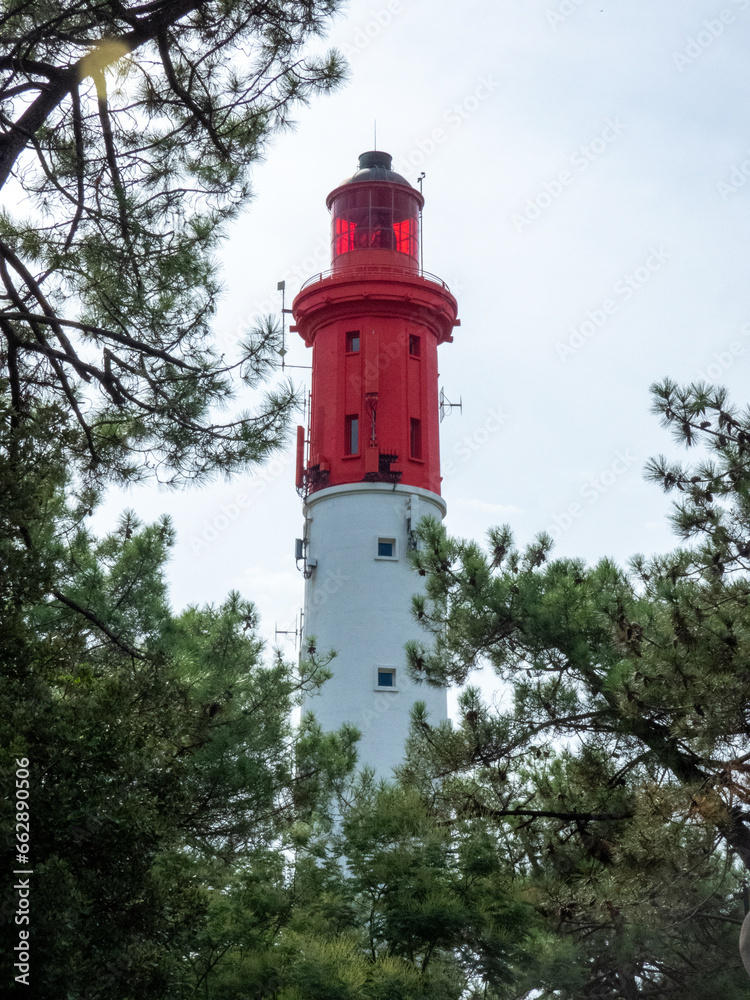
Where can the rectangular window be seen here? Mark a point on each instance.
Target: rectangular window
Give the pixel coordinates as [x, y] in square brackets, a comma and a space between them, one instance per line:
[406, 236]
[415, 438]
[415, 345]
[386, 548]
[343, 236]
[351, 443]
[352, 342]
[386, 677]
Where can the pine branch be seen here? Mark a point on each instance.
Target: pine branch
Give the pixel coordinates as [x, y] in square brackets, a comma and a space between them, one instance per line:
[95, 620]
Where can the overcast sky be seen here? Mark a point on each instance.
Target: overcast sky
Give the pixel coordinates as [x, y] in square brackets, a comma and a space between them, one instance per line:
[587, 199]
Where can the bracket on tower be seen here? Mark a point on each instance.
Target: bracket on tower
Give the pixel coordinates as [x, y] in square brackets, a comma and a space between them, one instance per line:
[446, 406]
[300, 556]
[411, 535]
[296, 631]
[281, 287]
[371, 403]
[282, 351]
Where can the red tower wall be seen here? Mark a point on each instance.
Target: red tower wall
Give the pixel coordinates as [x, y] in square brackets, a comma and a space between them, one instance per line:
[400, 318]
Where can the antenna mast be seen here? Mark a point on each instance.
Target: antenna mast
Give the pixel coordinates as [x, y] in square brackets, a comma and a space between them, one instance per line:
[295, 632]
[421, 228]
[446, 407]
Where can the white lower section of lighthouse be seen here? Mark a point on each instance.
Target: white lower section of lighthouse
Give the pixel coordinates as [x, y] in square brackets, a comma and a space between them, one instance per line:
[358, 603]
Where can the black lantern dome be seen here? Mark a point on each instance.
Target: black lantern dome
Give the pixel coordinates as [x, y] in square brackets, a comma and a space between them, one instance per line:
[376, 165]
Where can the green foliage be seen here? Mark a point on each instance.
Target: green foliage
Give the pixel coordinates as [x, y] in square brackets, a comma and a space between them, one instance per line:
[130, 130]
[391, 904]
[614, 770]
[163, 759]
[165, 768]
[429, 905]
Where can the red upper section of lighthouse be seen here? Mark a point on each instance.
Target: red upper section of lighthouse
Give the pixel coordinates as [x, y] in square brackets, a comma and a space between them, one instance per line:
[374, 322]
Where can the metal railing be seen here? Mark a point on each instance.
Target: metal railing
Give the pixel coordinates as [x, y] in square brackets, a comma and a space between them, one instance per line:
[375, 270]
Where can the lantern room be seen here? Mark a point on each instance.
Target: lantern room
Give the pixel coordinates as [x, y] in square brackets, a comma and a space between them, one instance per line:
[375, 210]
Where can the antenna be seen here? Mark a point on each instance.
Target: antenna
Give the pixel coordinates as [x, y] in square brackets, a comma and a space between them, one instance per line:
[281, 287]
[296, 631]
[446, 406]
[282, 351]
[421, 226]
[375, 134]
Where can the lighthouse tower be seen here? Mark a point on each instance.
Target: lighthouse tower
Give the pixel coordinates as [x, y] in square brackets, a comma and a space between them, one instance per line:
[368, 466]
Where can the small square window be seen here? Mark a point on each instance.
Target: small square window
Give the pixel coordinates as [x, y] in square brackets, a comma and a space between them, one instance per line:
[386, 548]
[415, 345]
[386, 677]
[352, 342]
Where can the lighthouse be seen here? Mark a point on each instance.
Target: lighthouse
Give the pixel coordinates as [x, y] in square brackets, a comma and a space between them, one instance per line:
[368, 464]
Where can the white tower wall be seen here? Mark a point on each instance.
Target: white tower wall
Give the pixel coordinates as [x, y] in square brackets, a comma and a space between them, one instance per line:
[358, 602]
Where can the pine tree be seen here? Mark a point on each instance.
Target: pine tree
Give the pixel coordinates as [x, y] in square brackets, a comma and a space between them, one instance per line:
[126, 136]
[164, 766]
[400, 903]
[616, 768]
